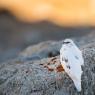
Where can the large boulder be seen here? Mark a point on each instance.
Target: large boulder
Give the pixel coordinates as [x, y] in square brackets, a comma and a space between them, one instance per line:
[37, 71]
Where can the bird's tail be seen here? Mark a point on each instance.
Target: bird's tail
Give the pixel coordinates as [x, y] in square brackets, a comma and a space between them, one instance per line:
[77, 85]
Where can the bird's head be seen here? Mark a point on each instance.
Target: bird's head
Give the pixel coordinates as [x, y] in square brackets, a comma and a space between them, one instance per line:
[68, 41]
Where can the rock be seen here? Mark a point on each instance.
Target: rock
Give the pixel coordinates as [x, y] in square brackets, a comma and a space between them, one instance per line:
[45, 75]
[42, 50]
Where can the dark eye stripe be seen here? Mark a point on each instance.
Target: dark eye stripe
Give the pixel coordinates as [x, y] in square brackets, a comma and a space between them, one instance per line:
[66, 42]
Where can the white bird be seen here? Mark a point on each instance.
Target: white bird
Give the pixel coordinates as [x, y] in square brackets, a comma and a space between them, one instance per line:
[71, 60]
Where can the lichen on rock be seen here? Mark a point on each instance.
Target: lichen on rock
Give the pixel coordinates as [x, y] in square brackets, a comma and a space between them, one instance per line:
[45, 75]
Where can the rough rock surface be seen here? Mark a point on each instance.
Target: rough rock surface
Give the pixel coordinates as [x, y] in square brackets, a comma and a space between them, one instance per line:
[37, 71]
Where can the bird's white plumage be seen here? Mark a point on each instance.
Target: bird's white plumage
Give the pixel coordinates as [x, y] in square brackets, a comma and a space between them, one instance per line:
[71, 60]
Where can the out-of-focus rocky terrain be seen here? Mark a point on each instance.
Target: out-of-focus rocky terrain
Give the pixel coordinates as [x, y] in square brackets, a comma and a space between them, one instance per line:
[16, 35]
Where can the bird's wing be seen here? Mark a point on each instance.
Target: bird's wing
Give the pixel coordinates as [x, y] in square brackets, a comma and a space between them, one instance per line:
[71, 65]
[71, 59]
[63, 57]
[77, 54]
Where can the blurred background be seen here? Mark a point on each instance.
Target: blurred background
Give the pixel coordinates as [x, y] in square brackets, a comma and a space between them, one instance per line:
[16, 35]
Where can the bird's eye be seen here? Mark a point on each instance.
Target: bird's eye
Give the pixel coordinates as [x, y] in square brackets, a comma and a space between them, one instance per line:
[66, 42]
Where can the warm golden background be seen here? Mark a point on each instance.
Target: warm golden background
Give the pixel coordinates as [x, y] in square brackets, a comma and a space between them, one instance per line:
[61, 12]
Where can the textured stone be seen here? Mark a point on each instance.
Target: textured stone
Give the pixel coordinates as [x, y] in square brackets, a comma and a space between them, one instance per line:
[44, 75]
